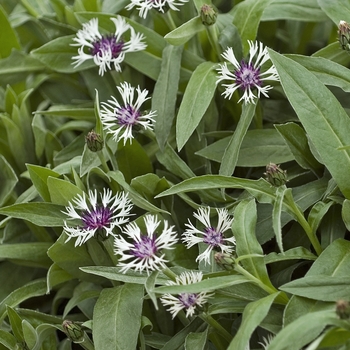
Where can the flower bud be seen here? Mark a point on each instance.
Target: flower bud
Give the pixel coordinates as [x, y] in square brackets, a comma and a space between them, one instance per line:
[275, 175]
[94, 141]
[208, 15]
[344, 35]
[74, 332]
[343, 309]
[226, 261]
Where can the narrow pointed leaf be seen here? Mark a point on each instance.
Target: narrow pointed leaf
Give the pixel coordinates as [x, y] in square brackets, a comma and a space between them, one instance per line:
[316, 108]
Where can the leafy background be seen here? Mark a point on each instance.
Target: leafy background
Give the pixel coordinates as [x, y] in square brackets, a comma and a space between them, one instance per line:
[292, 257]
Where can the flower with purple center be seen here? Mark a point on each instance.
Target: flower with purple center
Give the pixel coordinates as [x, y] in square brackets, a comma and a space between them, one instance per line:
[120, 119]
[96, 219]
[185, 301]
[212, 236]
[143, 6]
[247, 75]
[106, 49]
[144, 250]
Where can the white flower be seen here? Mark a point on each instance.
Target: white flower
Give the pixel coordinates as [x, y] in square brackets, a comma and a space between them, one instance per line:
[212, 236]
[187, 301]
[247, 76]
[143, 6]
[266, 341]
[144, 249]
[106, 49]
[96, 219]
[120, 119]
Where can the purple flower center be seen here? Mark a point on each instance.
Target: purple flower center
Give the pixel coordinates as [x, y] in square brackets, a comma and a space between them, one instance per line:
[107, 43]
[248, 76]
[146, 248]
[97, 218]
[213, 237]
[127, 115]
[188, 299]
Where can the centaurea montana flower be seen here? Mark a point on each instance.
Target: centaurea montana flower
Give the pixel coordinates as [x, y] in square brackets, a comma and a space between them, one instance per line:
[106, 49]
[185, 301]
[143, 6]
[96, 219]
[120, 119]
[212, 236]
[144, 250]
[247, 75]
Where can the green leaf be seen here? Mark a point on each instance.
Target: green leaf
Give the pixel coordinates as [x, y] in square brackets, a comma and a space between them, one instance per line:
[230, 157]
[7, 340]
[40, 213]
[303, 330]
[243, 228]
[197, 97]
[320, 287]
[8, 38]
[297, 141]
[196, 340]
[8, 180]
[346, 213]
[297, 10]
[336, 11]
[330, 73]
[290, 254]
[57, 55]
[112, 329]
[136, 198]
[133, 160]
[316, 106]
[276, 215]
[61, 191]
[16, 323]
[185, 32]
[27, 291]
[30, 254]
[29, 333]
[39, 176]
[259, 147]
[246, 17]
[165, 92]
[253, 315]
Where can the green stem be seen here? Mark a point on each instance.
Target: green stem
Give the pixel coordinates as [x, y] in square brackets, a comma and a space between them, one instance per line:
[87, 343]
[307, 228]
[216, 325]
[213, 39]
[169, 20]
[282, 298]
[103, 161]
[167, 272]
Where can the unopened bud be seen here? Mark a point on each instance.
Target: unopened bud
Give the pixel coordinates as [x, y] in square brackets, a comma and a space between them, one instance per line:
[94, 141]
[74, 332]
[343, 309]
[208, 15]
[226, 261]
[344, 35]
[275, 175]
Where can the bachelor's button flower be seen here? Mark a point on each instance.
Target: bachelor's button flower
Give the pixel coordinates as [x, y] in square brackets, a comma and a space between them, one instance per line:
[144, 250]
[210, 235]
[106, 49]
[120, 119]
[185, 301]
[247, 75]
[143, 6]
[96, 219]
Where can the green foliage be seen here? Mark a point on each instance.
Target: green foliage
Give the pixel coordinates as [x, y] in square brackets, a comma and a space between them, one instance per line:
[285, 276]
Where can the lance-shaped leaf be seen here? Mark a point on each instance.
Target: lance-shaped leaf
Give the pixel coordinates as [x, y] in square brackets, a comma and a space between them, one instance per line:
[322, 116]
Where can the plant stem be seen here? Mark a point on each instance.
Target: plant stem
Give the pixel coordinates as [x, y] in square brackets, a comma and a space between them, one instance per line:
[212, 31]
[305, 225]
[169, 20]
[282, 298]
[212, 322]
